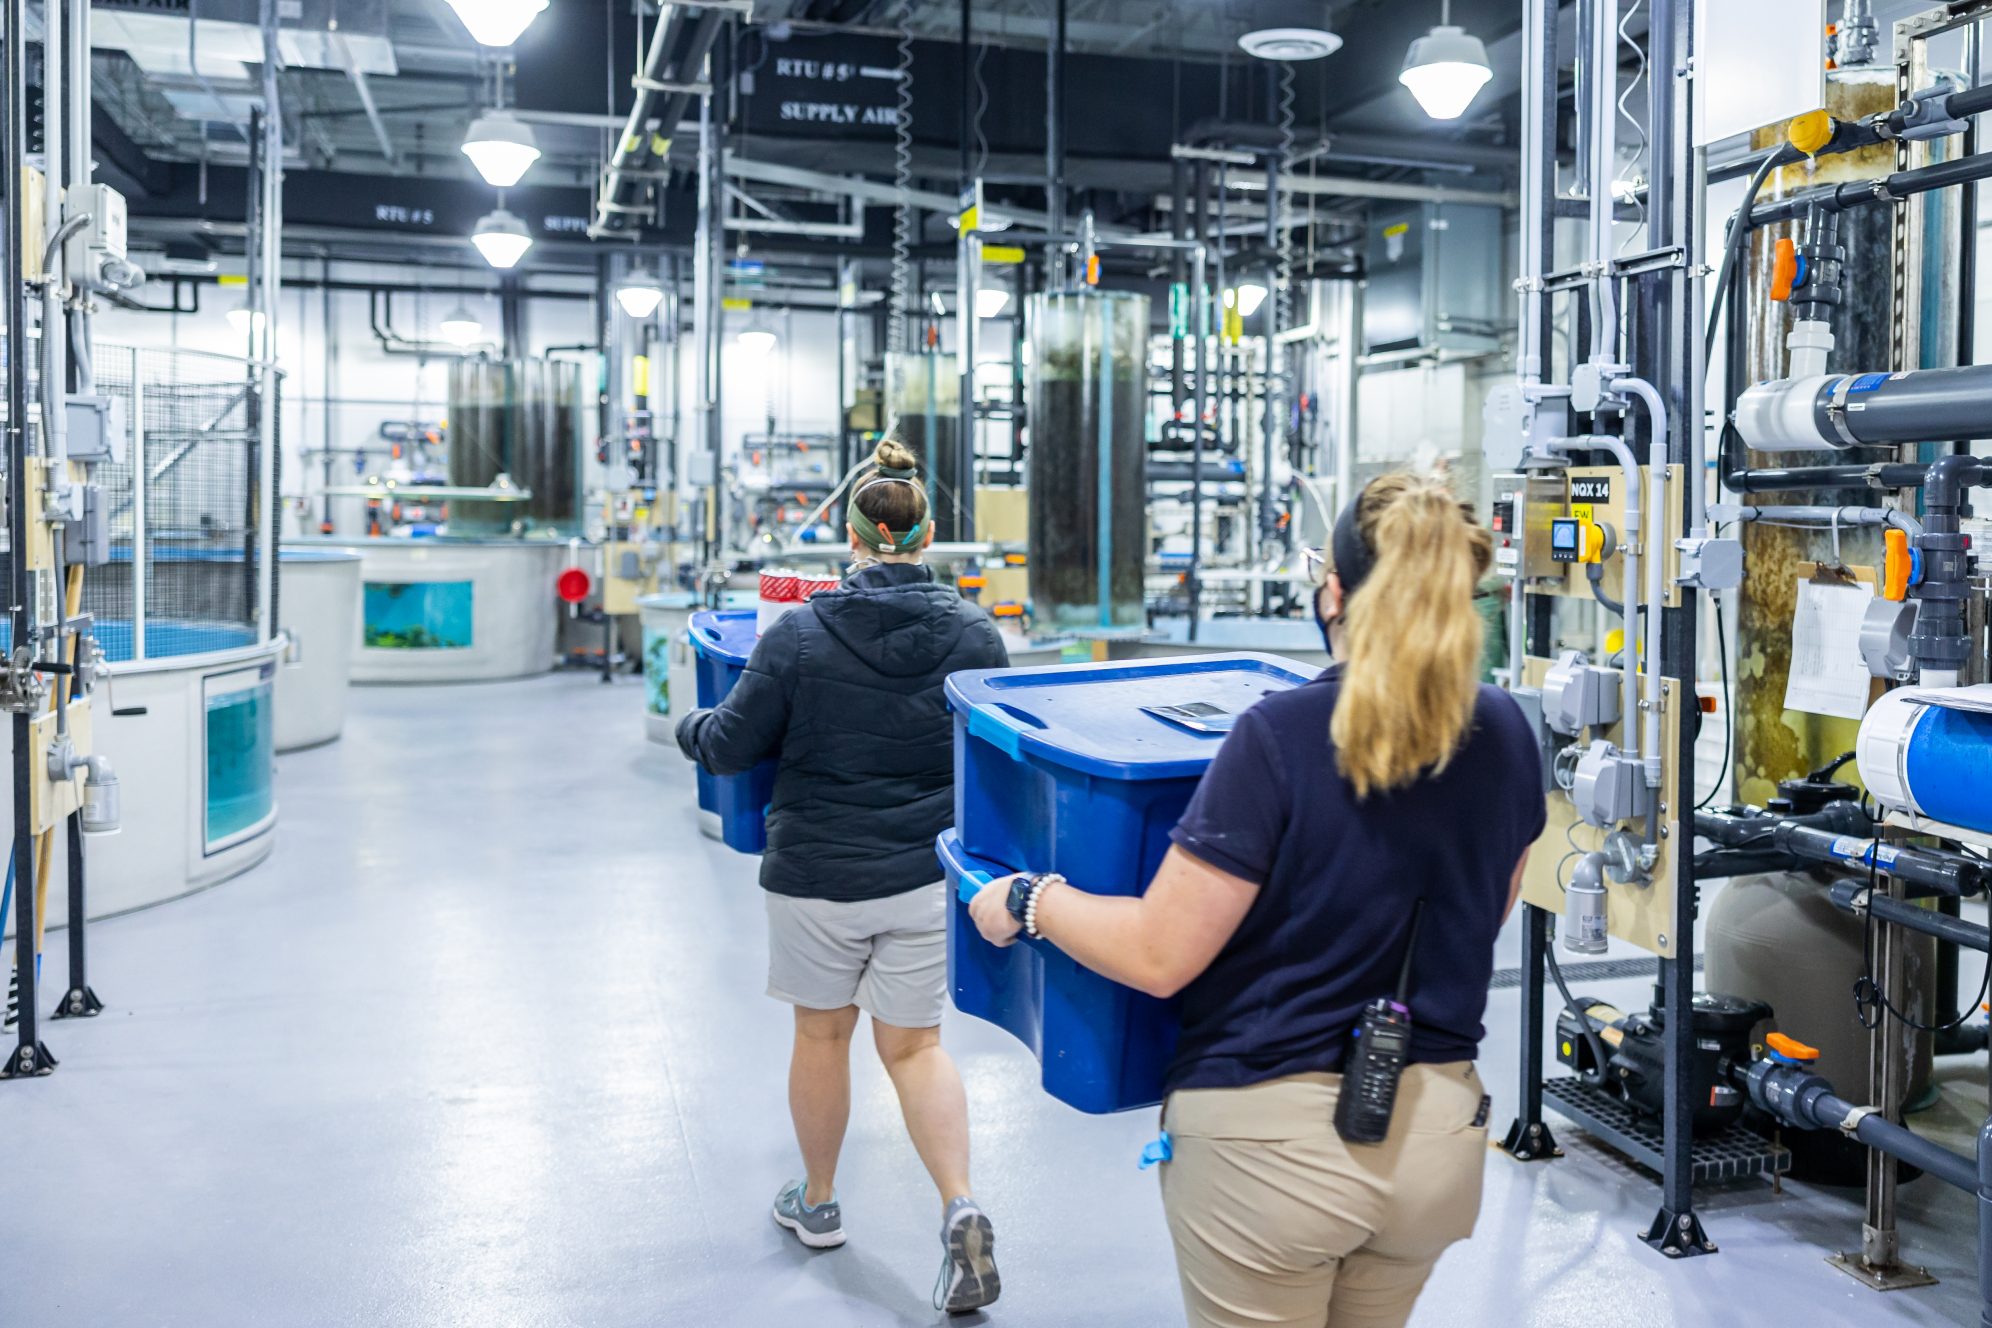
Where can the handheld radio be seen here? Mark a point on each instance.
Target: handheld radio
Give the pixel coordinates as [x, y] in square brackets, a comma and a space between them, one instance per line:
[1380, 1042]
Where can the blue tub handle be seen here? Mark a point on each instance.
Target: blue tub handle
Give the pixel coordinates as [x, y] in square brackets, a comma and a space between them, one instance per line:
[1002, 726]
[971, 885]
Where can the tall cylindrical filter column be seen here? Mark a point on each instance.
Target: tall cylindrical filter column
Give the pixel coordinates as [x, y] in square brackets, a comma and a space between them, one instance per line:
[923, 402]
[1089, 460]
[483, 418]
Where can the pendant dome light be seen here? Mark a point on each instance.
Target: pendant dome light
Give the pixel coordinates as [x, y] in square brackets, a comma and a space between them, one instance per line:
[1446, 68]
[640, 293]
[502, 238]
[757, 340]
[460, 327]
[502, 148]
[497, 22]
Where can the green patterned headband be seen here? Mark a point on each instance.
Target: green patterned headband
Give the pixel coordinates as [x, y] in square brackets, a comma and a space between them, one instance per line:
[874, 534]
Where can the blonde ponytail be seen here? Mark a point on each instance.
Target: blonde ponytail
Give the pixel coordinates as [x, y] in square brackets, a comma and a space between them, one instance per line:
[1412, 669]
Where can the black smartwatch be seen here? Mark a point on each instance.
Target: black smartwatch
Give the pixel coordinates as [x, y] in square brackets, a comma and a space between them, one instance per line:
[1020, 896]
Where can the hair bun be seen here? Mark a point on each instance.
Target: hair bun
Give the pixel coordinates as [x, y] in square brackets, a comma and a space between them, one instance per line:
[893, 455]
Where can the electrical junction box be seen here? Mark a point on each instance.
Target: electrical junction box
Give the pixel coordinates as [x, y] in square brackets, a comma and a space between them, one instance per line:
[106, 234]
[87, 540]
[1516, 423]
[97, 428]
[1577, 695]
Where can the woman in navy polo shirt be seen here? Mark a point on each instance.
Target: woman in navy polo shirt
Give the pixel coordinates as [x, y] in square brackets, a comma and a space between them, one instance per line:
[1285, 908]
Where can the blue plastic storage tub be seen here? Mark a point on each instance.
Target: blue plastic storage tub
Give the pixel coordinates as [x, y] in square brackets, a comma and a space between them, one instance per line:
[732, 808]
[1068, 770]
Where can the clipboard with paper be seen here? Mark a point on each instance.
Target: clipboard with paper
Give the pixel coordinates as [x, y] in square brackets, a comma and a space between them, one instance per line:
[1828, 676]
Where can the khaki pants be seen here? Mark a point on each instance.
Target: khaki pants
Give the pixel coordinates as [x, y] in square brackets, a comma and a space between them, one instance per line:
[1277, 1221]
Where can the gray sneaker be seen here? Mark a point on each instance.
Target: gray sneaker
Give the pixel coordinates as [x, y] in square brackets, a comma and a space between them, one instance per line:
[968, 1278]
[820, 1228]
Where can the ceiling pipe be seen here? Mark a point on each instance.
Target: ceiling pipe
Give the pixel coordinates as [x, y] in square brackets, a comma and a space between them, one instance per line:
[635, 163]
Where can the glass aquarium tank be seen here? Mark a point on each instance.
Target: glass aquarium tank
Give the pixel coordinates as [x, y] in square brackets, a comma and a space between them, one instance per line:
[923, 401]
[241, 736]
[418, 615]
[1088, 461]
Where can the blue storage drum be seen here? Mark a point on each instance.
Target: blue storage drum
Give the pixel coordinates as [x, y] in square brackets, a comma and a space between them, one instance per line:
[1082, 770]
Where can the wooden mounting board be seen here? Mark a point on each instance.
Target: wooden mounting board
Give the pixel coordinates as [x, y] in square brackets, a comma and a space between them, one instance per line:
[1641, 914]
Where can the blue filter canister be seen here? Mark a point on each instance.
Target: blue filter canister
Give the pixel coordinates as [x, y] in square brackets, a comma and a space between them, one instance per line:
[1949, 767]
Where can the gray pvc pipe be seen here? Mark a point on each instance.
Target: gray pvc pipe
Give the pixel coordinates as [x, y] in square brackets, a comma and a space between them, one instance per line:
[1851, 517]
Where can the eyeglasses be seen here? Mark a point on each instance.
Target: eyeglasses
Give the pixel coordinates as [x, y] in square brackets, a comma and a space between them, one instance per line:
[1316, 563]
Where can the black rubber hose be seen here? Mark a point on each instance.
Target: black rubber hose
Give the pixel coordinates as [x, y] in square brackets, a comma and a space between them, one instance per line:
[1739, 236]
[1595, 1079]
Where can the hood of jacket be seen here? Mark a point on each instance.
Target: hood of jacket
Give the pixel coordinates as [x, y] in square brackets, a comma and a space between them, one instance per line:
[894, 618]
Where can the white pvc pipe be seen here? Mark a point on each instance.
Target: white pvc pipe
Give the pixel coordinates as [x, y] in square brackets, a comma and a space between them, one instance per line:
[54, 345]
[1656, 568]
[1529, 362]
[1603, 85]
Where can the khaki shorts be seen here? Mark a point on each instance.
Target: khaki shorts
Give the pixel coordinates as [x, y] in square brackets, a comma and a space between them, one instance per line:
[1278, 1222]
[888, 957]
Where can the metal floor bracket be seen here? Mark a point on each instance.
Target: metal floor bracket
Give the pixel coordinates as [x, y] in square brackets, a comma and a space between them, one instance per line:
[1678, 1235]
[1530, 1143]
[1878, 1277]
[78, 1003]
[28, 1063]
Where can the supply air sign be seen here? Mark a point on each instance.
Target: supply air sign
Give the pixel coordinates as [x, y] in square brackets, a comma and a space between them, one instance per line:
[831, 87]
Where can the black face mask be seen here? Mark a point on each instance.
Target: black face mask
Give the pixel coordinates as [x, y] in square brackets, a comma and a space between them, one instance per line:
[1353, 559]
[1324, 623]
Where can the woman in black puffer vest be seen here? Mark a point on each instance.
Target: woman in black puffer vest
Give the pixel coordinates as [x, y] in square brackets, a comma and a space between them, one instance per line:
[848, 691]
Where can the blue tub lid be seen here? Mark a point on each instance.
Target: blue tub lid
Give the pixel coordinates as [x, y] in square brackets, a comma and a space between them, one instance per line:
[1095, 718]
[727, 635]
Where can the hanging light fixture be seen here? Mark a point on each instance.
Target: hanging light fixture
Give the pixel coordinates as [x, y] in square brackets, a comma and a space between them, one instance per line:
[991, 301]
[497, 22]
[502, 238]
[640, 293]
[757, 340]
[461, 327]
[502, 148]
[1445, 69]
[245, 321]
[1247, 298]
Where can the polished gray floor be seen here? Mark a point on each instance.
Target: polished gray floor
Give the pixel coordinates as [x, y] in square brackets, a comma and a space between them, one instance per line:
[484, 1044]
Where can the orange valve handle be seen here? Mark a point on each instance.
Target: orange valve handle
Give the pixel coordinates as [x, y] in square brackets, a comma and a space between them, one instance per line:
[1784, 270]
[1897, 563]
[1791, 1049]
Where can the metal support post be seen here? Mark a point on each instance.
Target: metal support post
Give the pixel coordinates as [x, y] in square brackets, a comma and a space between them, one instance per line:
[968, 264]
[79, 1002]
[1529, 1139]
[1199, 321]
[29, 1056]
[1054, 147]
[707, 292]
[269, 285]
[1878, 1262]
[1984, 1197]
